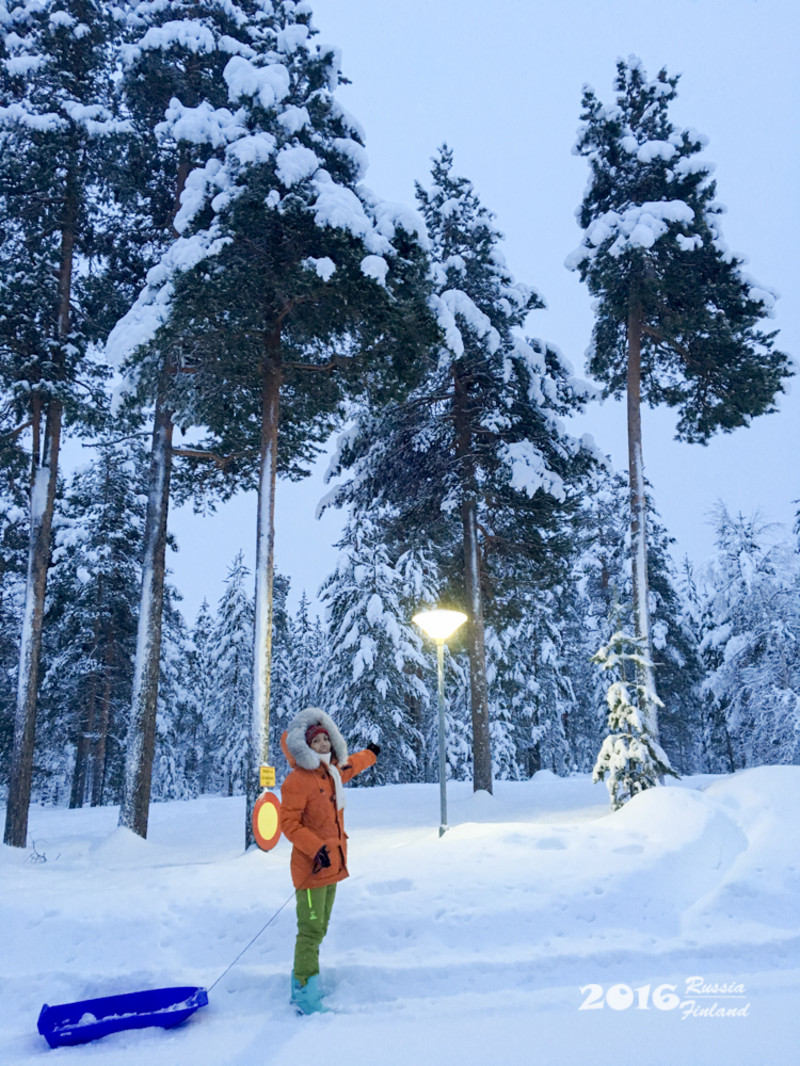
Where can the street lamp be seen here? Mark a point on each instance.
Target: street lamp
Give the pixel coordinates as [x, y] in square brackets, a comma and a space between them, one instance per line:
[439, 625]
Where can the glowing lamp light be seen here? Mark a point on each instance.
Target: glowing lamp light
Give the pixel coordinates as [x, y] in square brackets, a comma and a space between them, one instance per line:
[266, 821]
[439, 624]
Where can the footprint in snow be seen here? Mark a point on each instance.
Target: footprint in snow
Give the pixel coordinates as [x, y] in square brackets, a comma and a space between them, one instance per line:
[389, 888]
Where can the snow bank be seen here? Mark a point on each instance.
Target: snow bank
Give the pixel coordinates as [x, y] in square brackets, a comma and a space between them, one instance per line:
[540, 927]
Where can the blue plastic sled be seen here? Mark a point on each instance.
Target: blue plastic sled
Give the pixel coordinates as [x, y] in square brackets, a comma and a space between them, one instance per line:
[89, 1019]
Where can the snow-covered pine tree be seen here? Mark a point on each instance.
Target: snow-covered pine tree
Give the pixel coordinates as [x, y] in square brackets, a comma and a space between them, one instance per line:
[676, 318]
[752, 604]
[234, 685]
[174, 90]
[57, 125]
[293, 286]
[91, 621]
[630, 759]
[376, 675]
[477, 461]
[532, 688]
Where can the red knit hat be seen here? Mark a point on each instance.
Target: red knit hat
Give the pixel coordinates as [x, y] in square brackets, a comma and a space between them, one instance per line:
[315, 730]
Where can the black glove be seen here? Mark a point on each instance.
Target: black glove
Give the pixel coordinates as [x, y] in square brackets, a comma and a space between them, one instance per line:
[322, 859]
[375, 748]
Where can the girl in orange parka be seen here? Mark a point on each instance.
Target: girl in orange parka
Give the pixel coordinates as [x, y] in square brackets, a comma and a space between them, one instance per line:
[312, 818]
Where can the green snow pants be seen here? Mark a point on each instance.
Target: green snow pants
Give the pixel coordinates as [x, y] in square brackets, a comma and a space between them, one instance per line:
[314, 906]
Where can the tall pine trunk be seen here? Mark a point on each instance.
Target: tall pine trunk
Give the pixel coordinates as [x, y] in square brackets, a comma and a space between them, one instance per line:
[135, 805]
[638, 502]
[141, 742]
[265, 565]
[44, 478]
[42, 502]
[476, 647]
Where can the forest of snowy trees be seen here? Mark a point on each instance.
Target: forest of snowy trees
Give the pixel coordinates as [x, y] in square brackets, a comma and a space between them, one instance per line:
[188, 250]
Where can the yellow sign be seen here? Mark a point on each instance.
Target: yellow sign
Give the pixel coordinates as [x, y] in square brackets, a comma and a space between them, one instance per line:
[267, 778]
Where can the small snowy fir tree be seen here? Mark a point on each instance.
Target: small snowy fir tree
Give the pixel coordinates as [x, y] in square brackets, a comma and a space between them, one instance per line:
[676, 317]
[234, 644]
[630, 759]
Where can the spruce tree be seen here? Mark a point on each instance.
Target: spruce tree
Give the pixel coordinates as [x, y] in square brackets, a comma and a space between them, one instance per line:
[476, 462]
[752, 612]
[91, 618]
[677, 321]
[202, 684]
[57, 134]
[376, 675]
[175, 767]
[234, 680]
[630, 759]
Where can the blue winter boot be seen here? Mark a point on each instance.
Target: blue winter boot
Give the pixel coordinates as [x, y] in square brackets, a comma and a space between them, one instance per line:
[307, 997]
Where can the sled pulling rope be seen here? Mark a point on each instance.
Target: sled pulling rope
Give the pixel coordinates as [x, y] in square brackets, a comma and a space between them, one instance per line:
[255, 938]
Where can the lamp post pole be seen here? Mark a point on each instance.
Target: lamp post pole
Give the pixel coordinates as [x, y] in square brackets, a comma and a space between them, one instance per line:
[439, 625]
[442, 756]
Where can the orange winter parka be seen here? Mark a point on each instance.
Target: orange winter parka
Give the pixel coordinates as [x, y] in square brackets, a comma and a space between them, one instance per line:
[309, 815]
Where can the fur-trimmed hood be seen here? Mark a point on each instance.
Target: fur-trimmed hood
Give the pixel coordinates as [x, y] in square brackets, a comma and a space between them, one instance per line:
[301, 754]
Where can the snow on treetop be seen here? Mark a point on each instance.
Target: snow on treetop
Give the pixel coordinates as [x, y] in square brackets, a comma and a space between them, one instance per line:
[292, 37]
[203, 124]
[268, 84]
[638, 226]
[295, 163]
[339, 207]
[43, 123]
[24, 65]
[324, 267]
[183, 33]
[61, 18]
[529, 471]
[388, 216]
[95, 119]
[376, 267]
[151, 310]
[293, 119]
[355, 152]
[459, 304]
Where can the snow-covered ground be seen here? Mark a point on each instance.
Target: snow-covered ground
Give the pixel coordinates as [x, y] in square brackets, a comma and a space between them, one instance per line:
[539, 929]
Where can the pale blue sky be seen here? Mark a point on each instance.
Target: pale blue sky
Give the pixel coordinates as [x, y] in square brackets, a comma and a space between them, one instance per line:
[501, 84]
